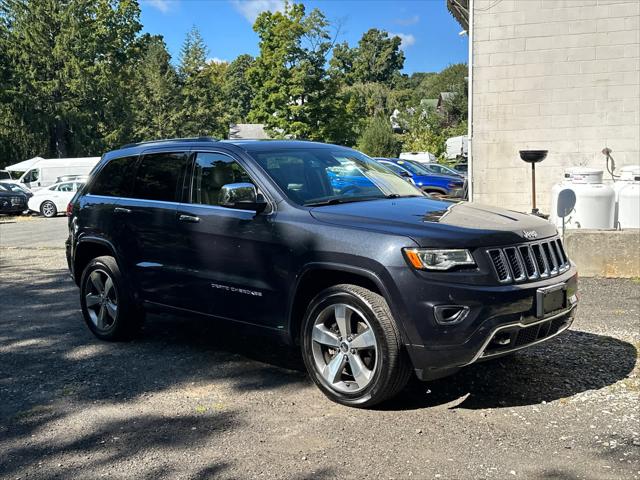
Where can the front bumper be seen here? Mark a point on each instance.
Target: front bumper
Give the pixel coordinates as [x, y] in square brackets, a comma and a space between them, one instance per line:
[500, 320]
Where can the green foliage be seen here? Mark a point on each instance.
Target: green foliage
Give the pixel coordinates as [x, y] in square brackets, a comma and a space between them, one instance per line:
[201, 109]
[378, 140]
[157, 91]
[294, 96]
[67, 71]
[237, 89]
[77, 78]
[376, 59]
[451, 79]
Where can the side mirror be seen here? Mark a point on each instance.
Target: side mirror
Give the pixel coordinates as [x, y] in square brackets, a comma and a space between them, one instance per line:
[241, 196]
[405, 174]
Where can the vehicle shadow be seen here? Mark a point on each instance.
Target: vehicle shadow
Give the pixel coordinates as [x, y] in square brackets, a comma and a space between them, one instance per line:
[572, 363]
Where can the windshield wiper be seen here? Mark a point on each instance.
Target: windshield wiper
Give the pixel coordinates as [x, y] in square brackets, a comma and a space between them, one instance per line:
[397, 195]
[336, 201]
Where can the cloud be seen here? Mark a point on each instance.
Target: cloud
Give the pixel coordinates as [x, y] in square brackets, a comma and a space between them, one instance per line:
[162, 5]
[250, 9]
[407, 21]
[407, 39]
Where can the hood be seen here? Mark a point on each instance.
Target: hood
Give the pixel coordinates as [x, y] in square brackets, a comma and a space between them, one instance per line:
[438, 223]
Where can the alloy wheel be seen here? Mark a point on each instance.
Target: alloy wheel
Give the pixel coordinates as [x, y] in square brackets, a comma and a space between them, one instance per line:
[101, 299]
[48, 209]
[345, 350]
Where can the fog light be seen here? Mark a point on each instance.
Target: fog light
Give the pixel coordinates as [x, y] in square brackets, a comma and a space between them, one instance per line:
[450, 314]
[502, 339]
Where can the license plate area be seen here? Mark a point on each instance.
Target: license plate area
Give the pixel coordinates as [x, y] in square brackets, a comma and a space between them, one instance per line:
[550, 300]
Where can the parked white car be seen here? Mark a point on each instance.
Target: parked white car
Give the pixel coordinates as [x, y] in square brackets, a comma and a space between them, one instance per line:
[49, 201]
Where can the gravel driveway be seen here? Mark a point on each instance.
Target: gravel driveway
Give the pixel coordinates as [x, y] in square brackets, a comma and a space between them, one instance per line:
[192, 399]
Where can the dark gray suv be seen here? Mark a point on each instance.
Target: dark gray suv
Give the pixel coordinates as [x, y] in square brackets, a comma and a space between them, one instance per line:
[319, 245]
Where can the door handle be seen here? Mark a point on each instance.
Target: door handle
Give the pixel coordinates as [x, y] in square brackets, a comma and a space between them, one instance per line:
[188, 218]
[121, 210]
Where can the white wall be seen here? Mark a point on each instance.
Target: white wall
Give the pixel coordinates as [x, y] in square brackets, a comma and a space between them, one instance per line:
[558, 75]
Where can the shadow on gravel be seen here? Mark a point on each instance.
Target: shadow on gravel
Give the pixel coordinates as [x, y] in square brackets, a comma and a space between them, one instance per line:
[572, 363]
[122, 441]
[52, 367]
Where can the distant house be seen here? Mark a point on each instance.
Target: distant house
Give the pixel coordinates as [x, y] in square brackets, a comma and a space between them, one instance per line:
[443, 98]
[247, 131]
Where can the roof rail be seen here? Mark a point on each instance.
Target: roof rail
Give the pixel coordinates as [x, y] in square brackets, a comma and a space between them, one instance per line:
[187, 139]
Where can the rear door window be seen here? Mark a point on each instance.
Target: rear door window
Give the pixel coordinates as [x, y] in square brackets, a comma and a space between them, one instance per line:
[159, 176]
[114, 180]
[211, 172]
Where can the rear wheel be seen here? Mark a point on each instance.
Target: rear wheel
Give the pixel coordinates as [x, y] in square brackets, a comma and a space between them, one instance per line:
[107, 306]
[48, 209]
[352, 348]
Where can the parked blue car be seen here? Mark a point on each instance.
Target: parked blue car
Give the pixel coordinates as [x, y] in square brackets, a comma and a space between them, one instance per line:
[429, 182]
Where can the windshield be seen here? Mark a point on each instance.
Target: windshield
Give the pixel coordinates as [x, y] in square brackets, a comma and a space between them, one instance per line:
[414, 167]
[11, 187]
[317, 176]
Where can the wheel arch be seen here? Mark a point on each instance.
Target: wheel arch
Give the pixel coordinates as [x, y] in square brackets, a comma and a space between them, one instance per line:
[317, 276]
[430, 189]
[87, 249]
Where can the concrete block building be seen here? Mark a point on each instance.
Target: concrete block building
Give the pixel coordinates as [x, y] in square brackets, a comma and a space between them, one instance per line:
[558, 75]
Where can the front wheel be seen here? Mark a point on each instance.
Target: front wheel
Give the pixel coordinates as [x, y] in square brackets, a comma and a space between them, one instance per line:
[352, 348]
[48, 209]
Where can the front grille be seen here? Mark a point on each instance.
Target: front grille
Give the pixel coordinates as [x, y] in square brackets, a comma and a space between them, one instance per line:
[529, 261]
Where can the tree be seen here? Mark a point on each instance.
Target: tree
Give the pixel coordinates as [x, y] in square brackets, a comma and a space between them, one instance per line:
[294, 96]
[68, 70]
[157, 94]
[378, 140]
[448, 80]
[238, 92]
[378, 58]
[200, 112]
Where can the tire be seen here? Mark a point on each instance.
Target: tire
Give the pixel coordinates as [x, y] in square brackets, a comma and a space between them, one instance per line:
[381, 372]
[48, 209]
[106, 322]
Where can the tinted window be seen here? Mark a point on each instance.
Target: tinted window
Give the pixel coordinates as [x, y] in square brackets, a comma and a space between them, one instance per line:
[158, 175]
[114, 179]
[211, 172]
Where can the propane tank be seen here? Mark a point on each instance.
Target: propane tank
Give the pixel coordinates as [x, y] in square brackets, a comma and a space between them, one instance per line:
[595, 201]
[629, 204]
[628, 175]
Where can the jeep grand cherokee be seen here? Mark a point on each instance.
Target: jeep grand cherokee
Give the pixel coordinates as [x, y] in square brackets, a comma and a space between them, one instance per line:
[322, 246]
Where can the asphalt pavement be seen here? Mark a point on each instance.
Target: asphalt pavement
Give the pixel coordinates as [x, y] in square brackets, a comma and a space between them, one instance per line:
[193, 399]
[33, 232]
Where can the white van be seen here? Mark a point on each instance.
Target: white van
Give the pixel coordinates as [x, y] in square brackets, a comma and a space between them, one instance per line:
[422, 157]
[47, 171]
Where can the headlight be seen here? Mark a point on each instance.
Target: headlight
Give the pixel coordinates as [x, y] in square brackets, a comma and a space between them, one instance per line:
[438, 259]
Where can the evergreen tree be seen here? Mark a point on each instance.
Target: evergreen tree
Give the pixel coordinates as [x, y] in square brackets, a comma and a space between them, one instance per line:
[68, 70]
[157, 94]
[378, 140]
[200, 112]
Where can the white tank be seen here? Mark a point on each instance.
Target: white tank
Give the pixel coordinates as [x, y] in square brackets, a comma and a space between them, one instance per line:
[595, 201]
[629, 205]
[628, 174]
